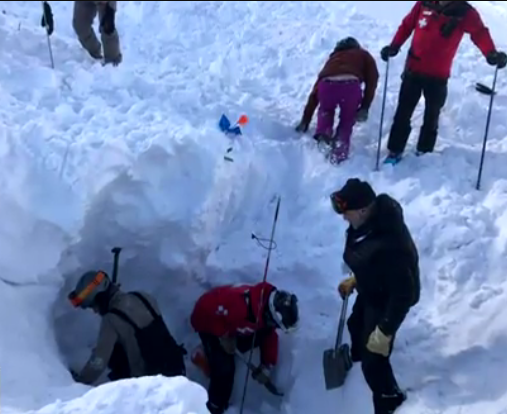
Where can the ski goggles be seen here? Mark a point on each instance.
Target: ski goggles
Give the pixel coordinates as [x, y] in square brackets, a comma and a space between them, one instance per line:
[77, 299]
[338, 203]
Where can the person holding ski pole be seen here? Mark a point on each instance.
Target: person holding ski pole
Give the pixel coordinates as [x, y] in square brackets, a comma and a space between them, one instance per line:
[226, 320]
[438, 28]
[338, 84]
[384, 262]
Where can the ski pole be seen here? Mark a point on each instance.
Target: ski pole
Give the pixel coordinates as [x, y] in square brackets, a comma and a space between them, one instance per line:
[266, 267]
[382, 115]
[491, 93]
[47, 34]
[116, 251]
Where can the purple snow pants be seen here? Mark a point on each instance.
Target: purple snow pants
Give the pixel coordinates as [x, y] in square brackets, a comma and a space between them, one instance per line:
[347, 95]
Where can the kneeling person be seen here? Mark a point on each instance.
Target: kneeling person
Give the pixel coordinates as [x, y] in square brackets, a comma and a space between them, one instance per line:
[133, 338]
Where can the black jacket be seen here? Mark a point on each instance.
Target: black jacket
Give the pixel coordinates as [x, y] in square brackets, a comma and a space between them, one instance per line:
[385, 262]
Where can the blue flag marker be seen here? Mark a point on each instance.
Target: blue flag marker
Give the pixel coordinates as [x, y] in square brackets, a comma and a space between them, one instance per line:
[225, 126]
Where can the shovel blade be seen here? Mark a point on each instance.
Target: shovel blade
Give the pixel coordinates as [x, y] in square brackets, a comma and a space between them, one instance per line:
[336, 364]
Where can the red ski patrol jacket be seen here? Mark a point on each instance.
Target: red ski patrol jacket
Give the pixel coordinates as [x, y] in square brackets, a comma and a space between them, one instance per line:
[232, 310]
[438, 31]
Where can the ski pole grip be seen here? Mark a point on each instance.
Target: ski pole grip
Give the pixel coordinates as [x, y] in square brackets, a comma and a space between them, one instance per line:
[485, 90]
[116, 251]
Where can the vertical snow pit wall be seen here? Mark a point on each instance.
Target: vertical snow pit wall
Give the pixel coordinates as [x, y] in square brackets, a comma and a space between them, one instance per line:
[149, 210]
[34, 230]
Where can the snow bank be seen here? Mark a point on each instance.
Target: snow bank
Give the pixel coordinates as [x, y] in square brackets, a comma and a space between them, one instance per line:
[95, 157]
[140, 396]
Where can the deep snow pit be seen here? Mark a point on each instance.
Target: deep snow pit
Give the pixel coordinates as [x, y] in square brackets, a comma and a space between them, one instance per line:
[160, 256]
[94, 157]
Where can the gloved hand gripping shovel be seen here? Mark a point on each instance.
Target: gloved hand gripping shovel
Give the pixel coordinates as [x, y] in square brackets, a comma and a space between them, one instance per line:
[337, 362]
[269, 385]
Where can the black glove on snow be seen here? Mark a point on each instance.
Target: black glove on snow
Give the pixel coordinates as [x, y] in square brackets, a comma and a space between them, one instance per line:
[47, 18]
[498, 59]
[388, 51]
[107, 22]
[302, 127]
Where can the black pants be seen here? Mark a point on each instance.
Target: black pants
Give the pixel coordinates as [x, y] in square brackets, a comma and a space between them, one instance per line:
[119, 364]
[435, 95]
[377, 369]
[223, 367]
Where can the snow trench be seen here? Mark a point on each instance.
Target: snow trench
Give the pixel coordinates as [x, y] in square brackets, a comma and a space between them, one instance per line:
[93, 157]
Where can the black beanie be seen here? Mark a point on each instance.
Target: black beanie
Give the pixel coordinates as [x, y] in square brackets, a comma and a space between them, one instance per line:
[354, 195]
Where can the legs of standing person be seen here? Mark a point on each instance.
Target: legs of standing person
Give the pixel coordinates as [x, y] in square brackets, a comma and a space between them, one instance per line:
[377, 369]
[408, 98]
[355, 324]
[349, 99]
[435, 95]
[222, 369]
[82, 22]
[110, 41]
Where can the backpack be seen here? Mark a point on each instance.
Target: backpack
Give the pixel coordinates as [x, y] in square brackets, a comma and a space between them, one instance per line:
[160, 352]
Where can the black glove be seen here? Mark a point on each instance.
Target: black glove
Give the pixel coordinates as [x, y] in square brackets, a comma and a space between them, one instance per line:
[262, 375]
[302, 127]
[362, 115]
[498, 59]
[47, 18]
[107, 22]
[388, 51]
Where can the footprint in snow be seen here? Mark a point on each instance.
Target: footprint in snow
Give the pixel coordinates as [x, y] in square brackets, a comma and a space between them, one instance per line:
[484, 295]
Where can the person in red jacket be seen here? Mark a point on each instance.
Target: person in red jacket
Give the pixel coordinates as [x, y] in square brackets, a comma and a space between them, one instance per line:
[225, 319]
[338, 84]
[438, 28]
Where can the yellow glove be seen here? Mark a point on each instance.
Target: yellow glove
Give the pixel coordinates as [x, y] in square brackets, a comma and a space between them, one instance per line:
[346, 287]
[378, 343]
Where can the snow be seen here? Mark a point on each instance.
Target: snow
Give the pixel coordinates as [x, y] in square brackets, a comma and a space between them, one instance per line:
[93, 157]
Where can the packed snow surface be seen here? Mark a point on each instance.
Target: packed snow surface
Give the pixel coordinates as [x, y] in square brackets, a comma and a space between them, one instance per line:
[92, 157]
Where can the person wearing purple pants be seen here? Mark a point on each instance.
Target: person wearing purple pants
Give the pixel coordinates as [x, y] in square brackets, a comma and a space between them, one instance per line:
[338, 85]
[346, 94]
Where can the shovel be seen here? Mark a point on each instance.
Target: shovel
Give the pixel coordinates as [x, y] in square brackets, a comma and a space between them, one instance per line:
[337, 361]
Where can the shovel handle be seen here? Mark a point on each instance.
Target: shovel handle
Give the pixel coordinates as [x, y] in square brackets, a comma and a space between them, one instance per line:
[341, 325]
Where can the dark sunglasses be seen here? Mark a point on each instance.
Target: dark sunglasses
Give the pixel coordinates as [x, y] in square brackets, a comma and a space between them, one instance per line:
[338, 203]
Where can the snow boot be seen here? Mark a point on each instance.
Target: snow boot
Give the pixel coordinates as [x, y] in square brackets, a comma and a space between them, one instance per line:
[388, 404]
[114, 61]
[214, 409]
[339, 153]
[393, 158]
[322, 138]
